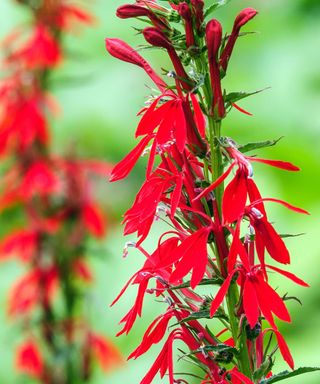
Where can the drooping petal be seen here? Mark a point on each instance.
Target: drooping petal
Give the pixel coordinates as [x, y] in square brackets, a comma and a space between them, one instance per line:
[124, 167]
[93, 220]
[272, 241]
[276, 163]
[192, 255]
[275, 303]
[199, 116]
[221, 294]
[234, 198]
[29, 360]
[290, 276]
[285, 352]
[250, 302]
[215, 184]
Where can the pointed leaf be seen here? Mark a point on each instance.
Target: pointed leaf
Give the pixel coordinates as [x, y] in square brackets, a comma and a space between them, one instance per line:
[258, 145]
[287, 375]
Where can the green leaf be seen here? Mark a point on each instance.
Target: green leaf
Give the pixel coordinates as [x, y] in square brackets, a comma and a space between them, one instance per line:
[214, 6]
[263, 370]
[261, 144]
[286, 235]
[287, 375]
[214, 281]
[236, 96]
[204, 314]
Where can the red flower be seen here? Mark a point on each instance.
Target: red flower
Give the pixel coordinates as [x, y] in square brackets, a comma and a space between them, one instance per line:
[41, 51]
[21, 243]
[107, 355]
[31, 289]
[29, 360]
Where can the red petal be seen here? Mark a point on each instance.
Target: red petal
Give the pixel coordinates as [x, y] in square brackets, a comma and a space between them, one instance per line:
[180, 128]
[272, 241]
[29, 360]
[124, 167]
[216, 183]
[244, 379]
[289, 206]
[176, 195]
[290, 276]
[199, 116]
[221, 294]
[105, 352]
[195, 244]
[276, 163]
[234, 198]
[250, 302]
[152, 117]
[285, 352]
[93, 220]
[276, 305]
[241, 109]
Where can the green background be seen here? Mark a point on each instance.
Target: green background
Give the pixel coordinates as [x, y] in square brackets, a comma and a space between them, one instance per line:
[99, 99]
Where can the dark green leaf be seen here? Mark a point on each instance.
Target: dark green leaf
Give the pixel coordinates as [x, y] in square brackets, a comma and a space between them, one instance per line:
[261, 144]
[287, 375]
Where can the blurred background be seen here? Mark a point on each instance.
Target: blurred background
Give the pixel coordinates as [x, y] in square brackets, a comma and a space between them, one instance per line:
[99, 99]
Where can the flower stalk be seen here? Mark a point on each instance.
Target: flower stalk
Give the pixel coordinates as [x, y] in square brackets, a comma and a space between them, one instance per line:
[58, 212]
[201, 183]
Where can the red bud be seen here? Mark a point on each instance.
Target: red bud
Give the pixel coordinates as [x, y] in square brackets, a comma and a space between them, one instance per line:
[122, 51]
[186, 14]
[214, 37]
[130, 10]
[243, 17]
[156, 38]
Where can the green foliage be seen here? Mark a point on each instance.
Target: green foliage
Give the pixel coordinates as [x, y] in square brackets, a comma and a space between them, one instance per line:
[287, 375]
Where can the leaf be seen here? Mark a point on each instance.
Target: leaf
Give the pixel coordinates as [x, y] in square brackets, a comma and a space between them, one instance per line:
[263, 370]
[233, 97]
[204, 314]
[286, 235]
[214, 6]
[287, 375]
[262, 144]
[214, 281]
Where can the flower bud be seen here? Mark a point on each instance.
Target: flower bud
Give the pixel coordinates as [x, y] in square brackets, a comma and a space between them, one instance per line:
[185, 12]
[198, 6]
[122, 51]
[214, 38]
[243, 17]
[131, 10]
[158, 39]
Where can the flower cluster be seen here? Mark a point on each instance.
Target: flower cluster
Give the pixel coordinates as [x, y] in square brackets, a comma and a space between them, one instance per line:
[57, 209]
[201, 184]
